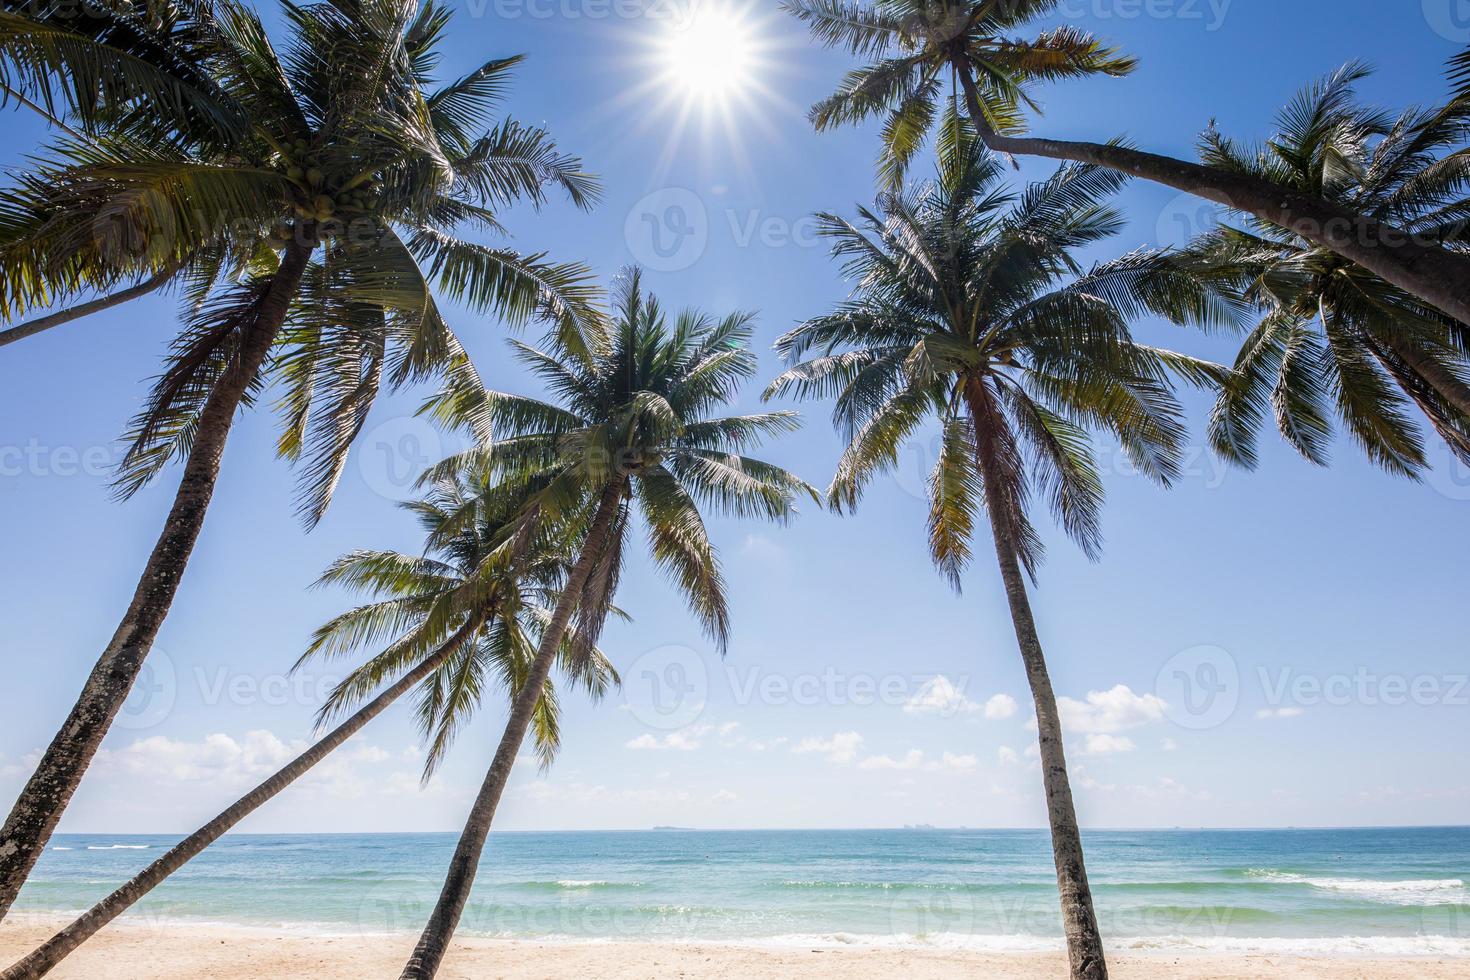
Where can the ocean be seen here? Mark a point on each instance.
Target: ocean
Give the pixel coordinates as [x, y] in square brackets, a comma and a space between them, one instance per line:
[1369, 891]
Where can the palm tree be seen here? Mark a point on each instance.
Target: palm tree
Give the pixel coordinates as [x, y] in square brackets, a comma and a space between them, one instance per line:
[970, 308]
[310, 198]
[470, 609]
[630, 426]
[916, 45]
[203, 79]
[1333, 338]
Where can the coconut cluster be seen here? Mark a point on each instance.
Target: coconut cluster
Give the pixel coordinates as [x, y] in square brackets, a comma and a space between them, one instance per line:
[316, 198]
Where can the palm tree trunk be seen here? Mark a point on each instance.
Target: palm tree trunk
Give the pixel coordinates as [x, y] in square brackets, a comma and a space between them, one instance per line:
[46, 794]
[45, 957]
[32, 327]
[1435, 374]
[1079, 921]
[424, 962]
[1434, 274]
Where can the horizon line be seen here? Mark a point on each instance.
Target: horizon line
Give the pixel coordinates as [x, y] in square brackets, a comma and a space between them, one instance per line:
[767, 830]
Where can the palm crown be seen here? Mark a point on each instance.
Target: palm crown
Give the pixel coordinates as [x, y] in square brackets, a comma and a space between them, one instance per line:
[483, 587]
[916, 45]
[208, 151]
[970, 307]
[1333, 339]
[631, 420]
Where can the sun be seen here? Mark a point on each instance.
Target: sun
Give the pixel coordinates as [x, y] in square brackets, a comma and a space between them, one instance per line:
[710, 53]
[707, 74]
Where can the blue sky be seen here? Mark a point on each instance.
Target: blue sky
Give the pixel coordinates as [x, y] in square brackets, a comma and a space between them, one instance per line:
[1323, 608]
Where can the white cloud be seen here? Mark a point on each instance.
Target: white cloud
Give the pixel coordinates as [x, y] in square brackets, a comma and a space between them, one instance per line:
[369, 753]
[686, 739]
[1087, 782]
[1007, 756]
[1170, 787]
[546, 791]
[1105, 712]
[1170, 745]
[1105, 744]
[216, 756]
[729, 734]
[913, 760]
[1278, 712]
[939, 696]
[724, 796]
[840, 748]
[1000, 706]
[762, 744]
[226, 760]
[950, 761]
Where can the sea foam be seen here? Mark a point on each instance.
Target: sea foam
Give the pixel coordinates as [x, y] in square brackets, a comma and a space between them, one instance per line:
[1420, 891]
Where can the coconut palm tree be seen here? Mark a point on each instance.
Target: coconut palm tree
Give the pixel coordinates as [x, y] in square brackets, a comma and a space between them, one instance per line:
[185, 74]
[1334, 339]
[917, 46]
[310, 198]
[969, 308]
[631, 426]
[467, 612]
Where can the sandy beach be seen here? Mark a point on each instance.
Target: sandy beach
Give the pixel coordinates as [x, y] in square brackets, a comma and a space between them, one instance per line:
[148, 952]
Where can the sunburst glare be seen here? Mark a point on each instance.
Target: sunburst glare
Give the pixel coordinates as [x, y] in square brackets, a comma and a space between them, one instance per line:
[707, 66]
[710, 53]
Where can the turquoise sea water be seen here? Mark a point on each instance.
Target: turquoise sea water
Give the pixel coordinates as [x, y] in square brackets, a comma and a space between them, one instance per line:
[1393, 891]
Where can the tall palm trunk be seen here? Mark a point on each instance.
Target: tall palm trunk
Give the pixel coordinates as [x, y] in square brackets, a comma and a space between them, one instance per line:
[45, 957]
[32, 327]
[424, 962]
[50, 787]
[1079, 921]
[1435, 275]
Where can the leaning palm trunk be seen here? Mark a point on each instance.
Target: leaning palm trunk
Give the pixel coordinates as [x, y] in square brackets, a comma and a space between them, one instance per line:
[46, 794]
[32, 327]
[1434, 373]
[1433, 274]
[423, 964]
[1079, 921]
[45, 957]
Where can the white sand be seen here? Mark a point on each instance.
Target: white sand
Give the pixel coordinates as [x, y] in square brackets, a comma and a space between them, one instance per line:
[139, 951]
